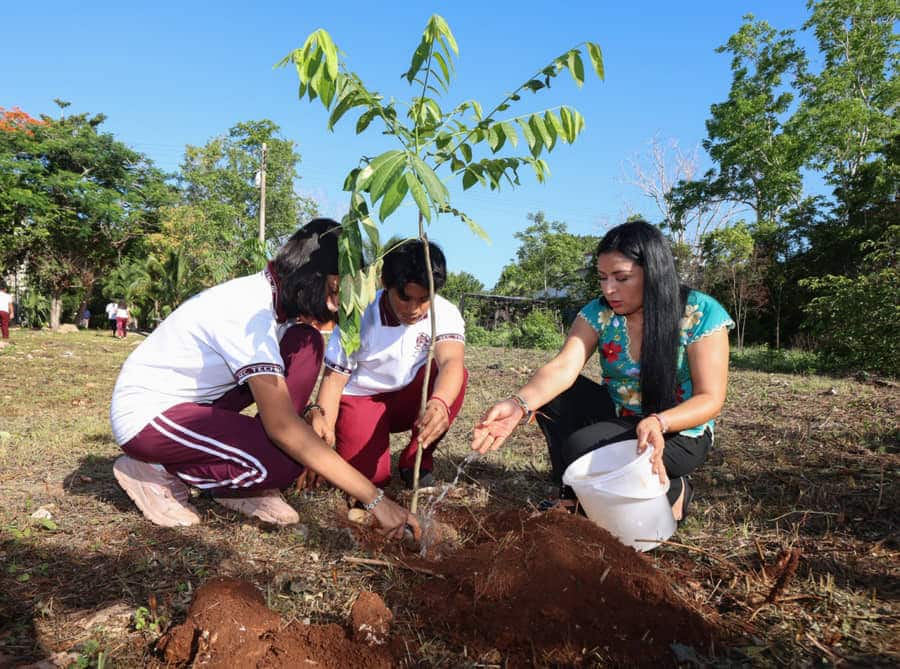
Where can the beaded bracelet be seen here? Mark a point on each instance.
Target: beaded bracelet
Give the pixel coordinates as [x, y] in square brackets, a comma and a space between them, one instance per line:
[527, 414]
[371, 505]
[663, 424]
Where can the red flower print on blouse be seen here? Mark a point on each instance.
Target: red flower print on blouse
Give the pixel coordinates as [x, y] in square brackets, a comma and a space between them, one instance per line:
[611, 351]
[679, 393]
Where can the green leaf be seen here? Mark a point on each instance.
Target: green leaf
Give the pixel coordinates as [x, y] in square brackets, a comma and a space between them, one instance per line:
[527, 133]
[363, 122]
[437, 191]
[466, 152]
[385, 175]
[596, 58]
[419, 56]
[331, 57]
[534, 140]
[568, 124]
[393, 196]
[368, 172]
[371, 230]
[345, 103]
[444, 30]
[554, 122]
[445, 69]
[470, 178]
[537, 126]
[326, 88]
[550, 130]
[419, 196]
[496, 137]
[576, 66]
[510, 132]
[48, 524]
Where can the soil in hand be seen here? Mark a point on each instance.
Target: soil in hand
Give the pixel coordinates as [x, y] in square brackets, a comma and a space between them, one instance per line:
[229, 625]
[555, 589]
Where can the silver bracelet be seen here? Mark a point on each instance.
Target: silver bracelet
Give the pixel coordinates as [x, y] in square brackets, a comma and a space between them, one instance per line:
[371, 505]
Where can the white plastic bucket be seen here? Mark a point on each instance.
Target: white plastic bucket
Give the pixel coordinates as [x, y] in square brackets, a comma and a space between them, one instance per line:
[619, 491]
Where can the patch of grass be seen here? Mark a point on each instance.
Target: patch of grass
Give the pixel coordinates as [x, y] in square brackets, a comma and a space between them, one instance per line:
[800, 461]
[786, 361]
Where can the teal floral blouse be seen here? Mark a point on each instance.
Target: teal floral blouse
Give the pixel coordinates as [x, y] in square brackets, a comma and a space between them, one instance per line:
[703, 315]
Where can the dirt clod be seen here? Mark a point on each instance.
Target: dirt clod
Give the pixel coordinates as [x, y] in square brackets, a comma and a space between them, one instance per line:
[371, 619]
[229, 625]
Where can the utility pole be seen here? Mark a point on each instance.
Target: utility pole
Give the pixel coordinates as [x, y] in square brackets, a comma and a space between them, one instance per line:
[262, 196]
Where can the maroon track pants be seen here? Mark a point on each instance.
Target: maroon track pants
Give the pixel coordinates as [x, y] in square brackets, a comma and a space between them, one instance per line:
[4, 324]
[214, 446]
[365, 423]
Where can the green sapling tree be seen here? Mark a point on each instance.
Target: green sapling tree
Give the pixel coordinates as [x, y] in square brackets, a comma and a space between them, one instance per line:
[463, 144]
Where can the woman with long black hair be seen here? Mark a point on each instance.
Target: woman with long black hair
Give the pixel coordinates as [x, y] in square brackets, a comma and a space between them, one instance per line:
[664, 359]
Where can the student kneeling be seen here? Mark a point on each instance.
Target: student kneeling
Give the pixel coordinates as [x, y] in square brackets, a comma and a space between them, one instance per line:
[376, 391]
[176, 408]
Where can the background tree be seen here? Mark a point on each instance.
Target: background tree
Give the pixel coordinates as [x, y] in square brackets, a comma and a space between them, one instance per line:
[656, 174]
[78, 198]
[849, 119]
[459, 284]
[220, 210]
[551, 261]
[733, 272]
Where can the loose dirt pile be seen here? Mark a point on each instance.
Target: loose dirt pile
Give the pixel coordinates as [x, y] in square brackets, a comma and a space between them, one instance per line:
[556, 589]
[229, 625]
[546, 589]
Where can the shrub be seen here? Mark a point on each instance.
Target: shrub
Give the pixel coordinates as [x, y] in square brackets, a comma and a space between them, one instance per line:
[856, 319]
[539, 329]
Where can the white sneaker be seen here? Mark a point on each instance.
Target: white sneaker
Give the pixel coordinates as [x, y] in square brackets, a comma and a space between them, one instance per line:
[268, 506]
[161, 497]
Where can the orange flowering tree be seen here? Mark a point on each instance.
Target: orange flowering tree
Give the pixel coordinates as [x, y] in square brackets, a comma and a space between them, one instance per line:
[72, 200]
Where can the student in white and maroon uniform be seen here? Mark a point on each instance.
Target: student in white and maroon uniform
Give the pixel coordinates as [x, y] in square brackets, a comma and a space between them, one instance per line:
[7, 311]
[176, 405]
[377, 390]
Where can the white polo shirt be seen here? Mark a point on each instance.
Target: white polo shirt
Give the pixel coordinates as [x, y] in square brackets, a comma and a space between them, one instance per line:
[5, 300]
[207, 346]
[390, 353]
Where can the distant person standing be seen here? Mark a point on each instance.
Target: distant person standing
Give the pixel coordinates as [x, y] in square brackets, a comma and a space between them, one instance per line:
[111, 310]
[85, 318]
[122, 316]
[7, 310]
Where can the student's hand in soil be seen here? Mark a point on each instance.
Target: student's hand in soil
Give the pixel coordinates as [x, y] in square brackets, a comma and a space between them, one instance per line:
[393, 520]
[649, 433]
[433, 423]
[496, 425]
[309, 480]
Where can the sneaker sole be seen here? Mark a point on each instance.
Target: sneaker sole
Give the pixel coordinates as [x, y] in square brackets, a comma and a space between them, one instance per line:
[134, 488]
[286, 517]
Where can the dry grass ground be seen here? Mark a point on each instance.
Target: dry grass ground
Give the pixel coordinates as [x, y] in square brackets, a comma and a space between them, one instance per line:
[793, 540]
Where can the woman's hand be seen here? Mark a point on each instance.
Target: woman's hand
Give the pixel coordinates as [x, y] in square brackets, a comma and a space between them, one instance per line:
[433, 423]
[394, 519]
[496, 425]
[649, 432]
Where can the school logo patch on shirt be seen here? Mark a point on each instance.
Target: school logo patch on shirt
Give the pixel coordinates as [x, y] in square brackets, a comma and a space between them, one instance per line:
[423, 341]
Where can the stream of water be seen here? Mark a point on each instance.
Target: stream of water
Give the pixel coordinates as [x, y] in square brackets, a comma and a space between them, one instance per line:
[426, 520]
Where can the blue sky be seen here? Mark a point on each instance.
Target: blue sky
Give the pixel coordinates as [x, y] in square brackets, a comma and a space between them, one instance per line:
[169, 74]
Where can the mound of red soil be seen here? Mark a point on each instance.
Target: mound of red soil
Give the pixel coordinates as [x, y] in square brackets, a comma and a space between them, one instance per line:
[229, 625]
[555, 589]
[371, 619]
